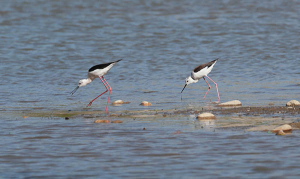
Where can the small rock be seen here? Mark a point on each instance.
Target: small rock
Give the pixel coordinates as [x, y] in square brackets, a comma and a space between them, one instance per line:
[66, 118]
[280, 132]
[293, 103]
[117, 102]
[145, 103]
[231, 103]
[117, 121]
[144, 128]
[206, 116]
[284, 128]
[101, 121]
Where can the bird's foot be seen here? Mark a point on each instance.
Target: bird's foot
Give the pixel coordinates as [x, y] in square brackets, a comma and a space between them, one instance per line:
[89, 104]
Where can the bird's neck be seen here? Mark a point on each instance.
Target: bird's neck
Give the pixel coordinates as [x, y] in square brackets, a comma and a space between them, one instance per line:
[87, 81]
[193, 80]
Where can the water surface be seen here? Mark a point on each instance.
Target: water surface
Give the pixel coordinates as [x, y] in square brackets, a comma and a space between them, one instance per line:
[46, 47]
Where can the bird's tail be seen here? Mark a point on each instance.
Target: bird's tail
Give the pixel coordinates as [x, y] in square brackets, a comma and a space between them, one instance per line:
[118, 60]
[214, 61]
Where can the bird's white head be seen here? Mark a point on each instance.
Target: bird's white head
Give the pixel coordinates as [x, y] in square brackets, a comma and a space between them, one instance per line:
[188, 81]
[81, 83]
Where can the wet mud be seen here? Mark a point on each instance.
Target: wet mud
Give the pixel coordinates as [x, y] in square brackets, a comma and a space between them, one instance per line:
[230, 118]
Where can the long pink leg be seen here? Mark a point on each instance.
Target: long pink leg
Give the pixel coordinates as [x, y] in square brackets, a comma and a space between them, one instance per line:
[216, 87]
[100, 94]
[109, 93]
[207, 89]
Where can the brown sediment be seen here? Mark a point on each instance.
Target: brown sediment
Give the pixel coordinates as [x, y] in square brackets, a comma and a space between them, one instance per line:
[113, 115]
[117, 121]
[270, 110]
[295, 125]
[101, 121]
[234, 118]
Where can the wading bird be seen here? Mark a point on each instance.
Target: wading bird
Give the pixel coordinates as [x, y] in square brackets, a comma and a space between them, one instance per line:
[94, 72]
[199, 72]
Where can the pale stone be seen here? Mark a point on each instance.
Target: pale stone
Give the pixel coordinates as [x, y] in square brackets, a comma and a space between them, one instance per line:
[206, 116]
[145, 103]
[231, 103]
[284, 128]
[120, 102]
[117, 102]
[293, 103]
[280, 132]
[117, 121]
[101, 121]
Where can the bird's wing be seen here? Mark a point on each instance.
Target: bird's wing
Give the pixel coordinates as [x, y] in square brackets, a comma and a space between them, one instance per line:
[206, 65]
[102, 66]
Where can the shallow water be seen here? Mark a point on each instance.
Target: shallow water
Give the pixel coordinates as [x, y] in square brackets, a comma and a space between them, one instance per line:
[38, 147]
[47, 47]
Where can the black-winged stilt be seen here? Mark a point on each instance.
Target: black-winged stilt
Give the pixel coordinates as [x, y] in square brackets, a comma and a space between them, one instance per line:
[202, 71]
[94, 72]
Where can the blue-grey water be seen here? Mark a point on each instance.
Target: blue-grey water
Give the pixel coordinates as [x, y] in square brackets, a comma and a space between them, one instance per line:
[46, 47]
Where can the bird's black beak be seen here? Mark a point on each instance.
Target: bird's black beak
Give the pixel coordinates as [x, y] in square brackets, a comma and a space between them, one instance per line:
[74, 90]
[183, 87]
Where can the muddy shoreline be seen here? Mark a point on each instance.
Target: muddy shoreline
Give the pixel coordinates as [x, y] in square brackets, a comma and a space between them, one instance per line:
[240, 111]
[250, 118]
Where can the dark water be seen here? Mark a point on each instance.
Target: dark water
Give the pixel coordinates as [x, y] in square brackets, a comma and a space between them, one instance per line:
[46, 47]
